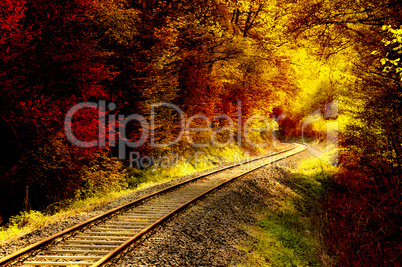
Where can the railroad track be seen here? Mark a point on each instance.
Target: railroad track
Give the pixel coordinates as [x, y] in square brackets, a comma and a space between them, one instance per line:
[99, 240]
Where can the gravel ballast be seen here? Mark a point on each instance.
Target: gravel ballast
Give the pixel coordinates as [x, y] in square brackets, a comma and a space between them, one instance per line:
[209, 232]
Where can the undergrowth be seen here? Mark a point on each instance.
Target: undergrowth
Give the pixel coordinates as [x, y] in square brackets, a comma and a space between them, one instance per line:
[291, 231]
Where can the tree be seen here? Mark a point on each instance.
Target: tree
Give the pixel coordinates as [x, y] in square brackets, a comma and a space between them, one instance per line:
[49, 62]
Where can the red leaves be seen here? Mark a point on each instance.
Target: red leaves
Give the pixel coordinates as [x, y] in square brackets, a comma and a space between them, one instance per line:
[364, 219]
[11, 15]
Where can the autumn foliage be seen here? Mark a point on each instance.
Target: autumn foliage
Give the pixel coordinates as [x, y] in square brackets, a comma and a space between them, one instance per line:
[283, 60]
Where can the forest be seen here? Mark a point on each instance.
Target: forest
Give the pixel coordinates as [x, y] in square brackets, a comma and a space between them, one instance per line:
[117, 73]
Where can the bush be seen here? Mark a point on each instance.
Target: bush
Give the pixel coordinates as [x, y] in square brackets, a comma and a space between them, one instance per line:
[365, 218]
[104, 173]
[31, 218]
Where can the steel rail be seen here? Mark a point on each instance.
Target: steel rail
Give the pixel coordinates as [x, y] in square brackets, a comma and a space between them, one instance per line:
[47, 241]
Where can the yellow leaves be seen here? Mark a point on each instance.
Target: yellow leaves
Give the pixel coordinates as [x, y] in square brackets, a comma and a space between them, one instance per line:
[102, 174]
[115, 23]
[395, 61]
[391, 61]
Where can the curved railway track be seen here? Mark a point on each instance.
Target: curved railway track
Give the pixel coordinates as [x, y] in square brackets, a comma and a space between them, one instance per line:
[100, 239]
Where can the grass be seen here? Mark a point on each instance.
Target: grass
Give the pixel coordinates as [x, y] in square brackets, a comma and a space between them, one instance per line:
[290, 232]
